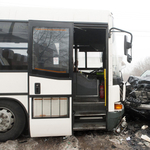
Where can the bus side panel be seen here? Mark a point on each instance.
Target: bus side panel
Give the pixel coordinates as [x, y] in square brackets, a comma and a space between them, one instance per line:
[51, 108]
[114, 96]
[21, 98]
[41, 127]
[51, 86]
[13, 82]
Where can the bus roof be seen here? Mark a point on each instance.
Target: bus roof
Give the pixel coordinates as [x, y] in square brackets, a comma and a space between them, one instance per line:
[53, 14]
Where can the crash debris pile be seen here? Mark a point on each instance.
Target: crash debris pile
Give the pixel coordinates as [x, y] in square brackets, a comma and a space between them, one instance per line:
[138, 135]
[138, 96]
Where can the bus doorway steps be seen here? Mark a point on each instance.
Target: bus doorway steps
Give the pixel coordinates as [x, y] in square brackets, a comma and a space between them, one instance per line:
[89, 120]
[94, 125]
[88, 99]
[90, 113]
[89, 116]
[89, 106]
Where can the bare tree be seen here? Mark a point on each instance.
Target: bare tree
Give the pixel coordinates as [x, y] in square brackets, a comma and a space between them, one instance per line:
[138, 69]
[141, 67]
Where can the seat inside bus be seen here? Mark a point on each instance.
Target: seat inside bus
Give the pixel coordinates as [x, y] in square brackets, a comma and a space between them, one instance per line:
[24, 60]
[7, 56]
[11, 60]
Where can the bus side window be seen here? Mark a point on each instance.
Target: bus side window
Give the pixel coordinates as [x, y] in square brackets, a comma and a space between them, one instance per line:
[13, 45]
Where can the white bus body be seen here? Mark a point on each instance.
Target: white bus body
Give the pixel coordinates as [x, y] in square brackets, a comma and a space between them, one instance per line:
[38, 49]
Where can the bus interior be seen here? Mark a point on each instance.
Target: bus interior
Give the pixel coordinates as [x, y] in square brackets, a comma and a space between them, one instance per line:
[89, 55]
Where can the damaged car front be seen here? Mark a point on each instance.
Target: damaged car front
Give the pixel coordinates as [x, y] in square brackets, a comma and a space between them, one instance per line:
[137, 100]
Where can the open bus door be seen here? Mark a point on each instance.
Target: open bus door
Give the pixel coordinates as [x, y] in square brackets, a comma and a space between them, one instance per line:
[89, 76]
[50, 78]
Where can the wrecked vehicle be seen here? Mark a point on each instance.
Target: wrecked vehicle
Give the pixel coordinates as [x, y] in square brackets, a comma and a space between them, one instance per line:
[138, 95]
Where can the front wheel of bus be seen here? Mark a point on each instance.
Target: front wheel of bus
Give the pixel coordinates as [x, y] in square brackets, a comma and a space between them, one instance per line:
[12, 120]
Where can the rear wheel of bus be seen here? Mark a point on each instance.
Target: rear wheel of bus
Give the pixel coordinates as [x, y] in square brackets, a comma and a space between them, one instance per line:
[12, 120]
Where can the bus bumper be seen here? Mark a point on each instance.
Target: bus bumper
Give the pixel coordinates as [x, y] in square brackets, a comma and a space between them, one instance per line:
[113, 119]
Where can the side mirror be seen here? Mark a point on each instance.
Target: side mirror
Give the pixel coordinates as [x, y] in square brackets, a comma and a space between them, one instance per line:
[127, 45]
[129, 58]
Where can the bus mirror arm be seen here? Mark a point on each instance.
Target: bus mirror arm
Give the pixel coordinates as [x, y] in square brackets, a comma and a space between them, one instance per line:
[113, 29]
[127, 45]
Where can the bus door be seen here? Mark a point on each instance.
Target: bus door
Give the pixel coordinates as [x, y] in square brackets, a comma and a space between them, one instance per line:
[50, 78]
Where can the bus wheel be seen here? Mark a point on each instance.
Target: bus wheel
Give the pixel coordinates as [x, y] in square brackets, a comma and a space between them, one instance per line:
[12, 120]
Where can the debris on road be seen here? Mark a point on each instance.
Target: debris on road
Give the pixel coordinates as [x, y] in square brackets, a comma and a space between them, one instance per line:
[128, 138]
[145, 137]
[144, 127]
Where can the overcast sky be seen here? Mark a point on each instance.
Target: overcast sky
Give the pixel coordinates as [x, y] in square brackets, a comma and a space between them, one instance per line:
[130, 15]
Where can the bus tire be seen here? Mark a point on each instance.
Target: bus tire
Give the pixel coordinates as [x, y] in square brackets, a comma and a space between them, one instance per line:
[12, 120]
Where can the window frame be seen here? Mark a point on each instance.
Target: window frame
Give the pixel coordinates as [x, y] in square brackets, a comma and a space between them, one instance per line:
[86, 61]
[50, 24]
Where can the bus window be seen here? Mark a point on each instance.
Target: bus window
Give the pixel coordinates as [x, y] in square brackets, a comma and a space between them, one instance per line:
[13, 45]
[94, 60]
[50, 50]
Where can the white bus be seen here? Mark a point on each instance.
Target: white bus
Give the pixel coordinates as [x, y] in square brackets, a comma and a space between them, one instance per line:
[59, 72]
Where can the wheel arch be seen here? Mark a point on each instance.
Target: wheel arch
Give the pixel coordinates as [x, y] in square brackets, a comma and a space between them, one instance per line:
[21, 105]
